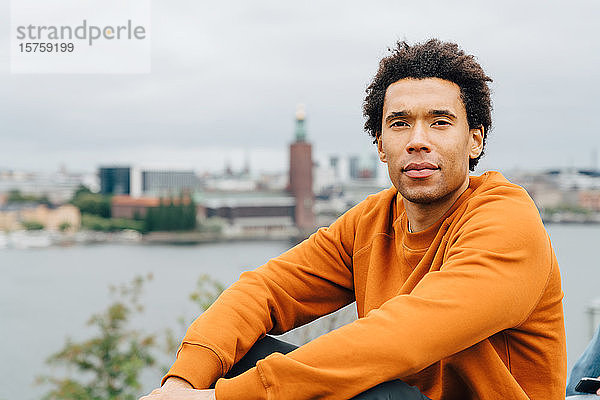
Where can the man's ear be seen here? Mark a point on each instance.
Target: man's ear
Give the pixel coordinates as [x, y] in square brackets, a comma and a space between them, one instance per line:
[476, 142]
[380, 148]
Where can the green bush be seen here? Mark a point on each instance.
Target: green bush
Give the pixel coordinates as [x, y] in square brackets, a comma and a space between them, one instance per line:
[169, 216]
[96, 223]
[566, 208]
[92, 203]
[65, 226]
[108, 365]
[15, 196]
[212, 225]
[32, 225]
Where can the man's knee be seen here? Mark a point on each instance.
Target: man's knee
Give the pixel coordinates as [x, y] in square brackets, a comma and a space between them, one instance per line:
[260, 350]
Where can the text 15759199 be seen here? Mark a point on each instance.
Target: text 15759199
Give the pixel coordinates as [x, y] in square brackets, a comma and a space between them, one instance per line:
[37, 47]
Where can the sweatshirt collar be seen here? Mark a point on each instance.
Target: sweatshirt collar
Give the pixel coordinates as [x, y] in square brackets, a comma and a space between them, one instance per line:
[422, 239]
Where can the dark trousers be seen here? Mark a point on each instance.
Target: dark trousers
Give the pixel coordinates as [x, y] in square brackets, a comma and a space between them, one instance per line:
[392, 390]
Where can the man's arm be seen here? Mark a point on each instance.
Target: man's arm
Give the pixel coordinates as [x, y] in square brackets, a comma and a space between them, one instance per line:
[306, 282]
[497, 269]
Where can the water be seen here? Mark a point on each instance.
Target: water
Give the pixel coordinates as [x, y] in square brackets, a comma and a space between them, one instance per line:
[49, 294]
[575, 247]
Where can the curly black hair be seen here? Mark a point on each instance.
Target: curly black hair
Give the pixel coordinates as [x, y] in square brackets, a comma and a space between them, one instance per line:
[432, 59]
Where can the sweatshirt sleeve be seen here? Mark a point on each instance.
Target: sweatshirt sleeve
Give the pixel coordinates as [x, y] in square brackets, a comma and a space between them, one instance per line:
[496, 269]
[308, 281]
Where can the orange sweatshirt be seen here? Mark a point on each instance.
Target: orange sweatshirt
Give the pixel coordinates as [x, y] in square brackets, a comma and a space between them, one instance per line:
[470, 308]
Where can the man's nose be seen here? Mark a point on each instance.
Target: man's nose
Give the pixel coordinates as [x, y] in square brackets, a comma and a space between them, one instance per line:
[419, 139]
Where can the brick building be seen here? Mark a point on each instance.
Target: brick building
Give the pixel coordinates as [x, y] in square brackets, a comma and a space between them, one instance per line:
[301, 176]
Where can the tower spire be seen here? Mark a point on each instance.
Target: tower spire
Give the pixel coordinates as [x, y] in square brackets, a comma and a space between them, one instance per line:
[300, 129]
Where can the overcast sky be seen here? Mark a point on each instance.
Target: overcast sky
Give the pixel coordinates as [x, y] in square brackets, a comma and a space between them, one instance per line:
[226, 78]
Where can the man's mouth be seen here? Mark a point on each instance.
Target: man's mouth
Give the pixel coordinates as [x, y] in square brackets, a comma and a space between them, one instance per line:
[420, 170]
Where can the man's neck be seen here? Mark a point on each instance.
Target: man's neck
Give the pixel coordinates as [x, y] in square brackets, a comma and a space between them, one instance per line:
[422, 216]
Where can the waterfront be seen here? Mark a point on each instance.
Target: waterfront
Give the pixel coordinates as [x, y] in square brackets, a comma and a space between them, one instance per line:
[48, 294]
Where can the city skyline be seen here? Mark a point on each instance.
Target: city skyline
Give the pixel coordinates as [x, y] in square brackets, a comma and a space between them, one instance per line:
[258, 162]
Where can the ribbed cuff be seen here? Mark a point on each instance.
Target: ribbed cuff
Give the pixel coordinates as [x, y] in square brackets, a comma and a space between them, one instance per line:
[247, 386]
[198, 365]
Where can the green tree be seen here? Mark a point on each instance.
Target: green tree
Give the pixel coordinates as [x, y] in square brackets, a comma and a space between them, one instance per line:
[161, 220]
[108, 365]
[171, 216]
[15, 196]
[92, 203]
[171, 220]
[150, 221]
[190, 215]
[137, 216]
[81, 189]
[180, 223]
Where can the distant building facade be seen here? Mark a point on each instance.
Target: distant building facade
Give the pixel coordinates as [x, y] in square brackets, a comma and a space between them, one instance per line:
[138, 182]
[590, 200]
[168, 182]
[564, 195]
[129, 207]
[363, 167]
[14, 216]
[123, 206]
[253, 214]
[58, 187]
[115, 180]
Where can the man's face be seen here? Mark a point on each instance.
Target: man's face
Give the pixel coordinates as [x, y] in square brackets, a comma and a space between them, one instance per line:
[426, 141]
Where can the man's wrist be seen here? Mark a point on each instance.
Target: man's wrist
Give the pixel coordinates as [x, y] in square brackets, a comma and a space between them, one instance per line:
[175, 381]
[198, 365]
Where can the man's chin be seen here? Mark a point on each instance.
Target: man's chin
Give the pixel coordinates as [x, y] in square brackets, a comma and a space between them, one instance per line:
[421, 199]
[422, 196]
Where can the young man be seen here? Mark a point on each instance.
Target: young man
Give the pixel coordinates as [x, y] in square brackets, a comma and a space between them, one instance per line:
[456, 284]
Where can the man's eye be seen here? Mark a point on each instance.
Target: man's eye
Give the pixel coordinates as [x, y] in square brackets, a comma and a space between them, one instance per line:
[441, 123]
[399, 123]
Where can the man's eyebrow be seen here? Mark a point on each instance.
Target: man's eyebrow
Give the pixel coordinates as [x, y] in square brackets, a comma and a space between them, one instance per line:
[447, 113]
[396, 114]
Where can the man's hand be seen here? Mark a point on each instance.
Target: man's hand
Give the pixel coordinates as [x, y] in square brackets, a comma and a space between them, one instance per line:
[180, 394]
[178, 389]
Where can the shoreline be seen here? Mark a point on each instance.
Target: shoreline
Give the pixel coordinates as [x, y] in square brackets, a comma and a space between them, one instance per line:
[42, 238]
